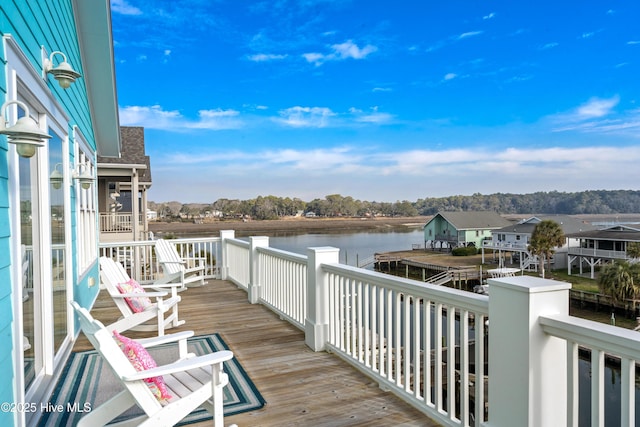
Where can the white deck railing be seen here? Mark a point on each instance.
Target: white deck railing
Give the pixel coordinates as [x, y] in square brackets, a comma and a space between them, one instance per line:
[140, 261]
[597, 253]
[111, 222]
[602, 341]
[399, 332]
[430, 345]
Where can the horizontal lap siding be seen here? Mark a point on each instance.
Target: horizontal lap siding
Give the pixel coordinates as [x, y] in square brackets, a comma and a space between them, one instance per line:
[50, 24]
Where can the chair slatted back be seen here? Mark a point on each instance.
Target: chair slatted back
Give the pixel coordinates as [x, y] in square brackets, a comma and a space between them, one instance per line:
[168, 256]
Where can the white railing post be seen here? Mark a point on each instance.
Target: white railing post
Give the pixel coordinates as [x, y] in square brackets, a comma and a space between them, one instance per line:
[254, 266]
[224, 262]
[527, 368]
[316, 324]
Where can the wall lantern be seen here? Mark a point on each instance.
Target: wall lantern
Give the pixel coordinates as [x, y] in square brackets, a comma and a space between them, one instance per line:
[63, 73]
[25, 134]
[83, 176]
[56, 177]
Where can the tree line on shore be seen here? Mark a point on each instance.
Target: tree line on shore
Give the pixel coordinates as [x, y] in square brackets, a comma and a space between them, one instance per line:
[335, 205]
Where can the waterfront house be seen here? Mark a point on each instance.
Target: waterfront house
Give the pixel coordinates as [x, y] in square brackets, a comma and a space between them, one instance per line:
[123, 183]
[454, 229]
[48, 205]
[512, 242]
[598, 247]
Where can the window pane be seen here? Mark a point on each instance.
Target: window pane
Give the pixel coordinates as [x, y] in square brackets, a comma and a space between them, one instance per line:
[57, 216]
[31, 345]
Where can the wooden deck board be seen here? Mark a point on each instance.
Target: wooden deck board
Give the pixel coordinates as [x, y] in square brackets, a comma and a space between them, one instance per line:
[301, 387]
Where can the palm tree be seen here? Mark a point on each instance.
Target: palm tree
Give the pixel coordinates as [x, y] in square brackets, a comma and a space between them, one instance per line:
[633, 249]
[546, 236]
[620, 280]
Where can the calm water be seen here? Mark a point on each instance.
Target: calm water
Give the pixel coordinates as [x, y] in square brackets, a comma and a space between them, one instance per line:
[353, 247]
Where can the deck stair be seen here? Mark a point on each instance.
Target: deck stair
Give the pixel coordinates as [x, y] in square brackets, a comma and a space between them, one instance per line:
[440, 278]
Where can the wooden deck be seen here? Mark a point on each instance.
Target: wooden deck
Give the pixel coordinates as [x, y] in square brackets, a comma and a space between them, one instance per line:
[301, 387]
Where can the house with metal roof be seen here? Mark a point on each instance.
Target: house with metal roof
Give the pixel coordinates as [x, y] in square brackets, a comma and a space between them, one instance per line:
[455, 229]
[597, 247]
[512, 242]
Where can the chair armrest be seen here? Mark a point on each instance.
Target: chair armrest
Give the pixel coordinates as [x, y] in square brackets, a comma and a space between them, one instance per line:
[172, 262]
[154, 341]
[159, 294]
[194, 269]
[182, 365]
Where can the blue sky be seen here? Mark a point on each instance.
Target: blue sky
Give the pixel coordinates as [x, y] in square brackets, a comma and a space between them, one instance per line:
[380, 100]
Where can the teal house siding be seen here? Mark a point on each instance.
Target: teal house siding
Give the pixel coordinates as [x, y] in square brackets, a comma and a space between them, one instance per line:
[88, 108]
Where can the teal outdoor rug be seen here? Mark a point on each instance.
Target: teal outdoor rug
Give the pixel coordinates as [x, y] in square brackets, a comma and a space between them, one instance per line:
[86, 379]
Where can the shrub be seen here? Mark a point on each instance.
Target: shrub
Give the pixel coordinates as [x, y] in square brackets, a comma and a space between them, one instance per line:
[464, 251]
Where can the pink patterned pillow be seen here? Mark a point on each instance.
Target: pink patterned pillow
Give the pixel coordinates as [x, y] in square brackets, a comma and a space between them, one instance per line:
[137, 304]
[142, 360]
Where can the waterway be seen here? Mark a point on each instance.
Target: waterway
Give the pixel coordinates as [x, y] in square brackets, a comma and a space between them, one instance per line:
[355, 248]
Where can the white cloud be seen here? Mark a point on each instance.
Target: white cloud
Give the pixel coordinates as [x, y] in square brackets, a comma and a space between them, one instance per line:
[154, 117]
[549, 46]
[597, 115]
[469, 34]
[597, 107]
[264, 57]
[450, 76]
[349, 49]
[341, 51]
[374, 175]
[316, 117]
[489, 16]
[372, 117]
[124, 8]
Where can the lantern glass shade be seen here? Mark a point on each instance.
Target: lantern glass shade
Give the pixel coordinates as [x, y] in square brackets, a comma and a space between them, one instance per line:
[25, 133]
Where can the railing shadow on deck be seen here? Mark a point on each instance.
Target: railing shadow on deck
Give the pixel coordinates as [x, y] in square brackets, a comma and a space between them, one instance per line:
[399, 332]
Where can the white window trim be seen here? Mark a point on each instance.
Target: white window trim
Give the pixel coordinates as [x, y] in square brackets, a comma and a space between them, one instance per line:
[86, 205]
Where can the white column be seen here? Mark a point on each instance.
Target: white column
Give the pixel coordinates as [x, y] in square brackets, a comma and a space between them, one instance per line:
[224, 261]
[527, 368]
[135, 208]
[316, 324]
[254, 267]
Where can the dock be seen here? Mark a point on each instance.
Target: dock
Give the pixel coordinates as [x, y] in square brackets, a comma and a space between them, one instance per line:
[438, 273]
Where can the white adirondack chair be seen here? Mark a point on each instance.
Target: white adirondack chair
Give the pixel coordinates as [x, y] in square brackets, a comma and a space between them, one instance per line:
[192, 381]
[113, 273]
[175, 268]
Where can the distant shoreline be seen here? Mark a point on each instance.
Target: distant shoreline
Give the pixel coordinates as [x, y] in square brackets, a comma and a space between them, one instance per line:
[328, 225]
[293, 225]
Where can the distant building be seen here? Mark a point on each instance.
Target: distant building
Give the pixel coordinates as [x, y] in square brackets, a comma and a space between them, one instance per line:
[455, 229]
[513, 241]
[597, 247]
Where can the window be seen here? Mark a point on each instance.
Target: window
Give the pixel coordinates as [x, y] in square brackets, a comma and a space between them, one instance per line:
[40, 230]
